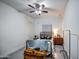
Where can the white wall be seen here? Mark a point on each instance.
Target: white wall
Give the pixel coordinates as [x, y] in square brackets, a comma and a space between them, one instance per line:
[54, 20]
[15, 29]
[71, 21]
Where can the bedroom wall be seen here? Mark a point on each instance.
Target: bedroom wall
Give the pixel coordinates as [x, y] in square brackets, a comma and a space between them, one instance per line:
[15, 29]
[71, 22]
[56, 22]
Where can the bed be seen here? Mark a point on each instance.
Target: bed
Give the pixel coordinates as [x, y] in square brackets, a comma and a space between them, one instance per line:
[41, 44]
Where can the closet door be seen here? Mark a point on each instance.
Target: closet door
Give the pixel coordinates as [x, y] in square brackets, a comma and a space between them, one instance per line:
[73, 41]
[74, 47]
[66, 41]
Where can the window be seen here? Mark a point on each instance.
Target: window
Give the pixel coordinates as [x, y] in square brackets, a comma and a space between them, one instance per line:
[47, 28]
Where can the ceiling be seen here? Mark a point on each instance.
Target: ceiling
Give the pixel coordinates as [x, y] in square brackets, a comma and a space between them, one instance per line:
[56, 6]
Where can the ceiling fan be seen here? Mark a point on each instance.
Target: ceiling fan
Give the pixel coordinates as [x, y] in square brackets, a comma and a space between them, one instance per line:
[38, 9]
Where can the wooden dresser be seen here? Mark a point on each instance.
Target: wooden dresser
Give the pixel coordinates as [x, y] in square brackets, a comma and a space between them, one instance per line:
[58, 40]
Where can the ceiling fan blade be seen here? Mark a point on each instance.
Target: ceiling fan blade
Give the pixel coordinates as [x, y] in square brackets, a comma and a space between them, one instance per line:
[50, 9]
[45, 11]
[31, 11]
[31, 6]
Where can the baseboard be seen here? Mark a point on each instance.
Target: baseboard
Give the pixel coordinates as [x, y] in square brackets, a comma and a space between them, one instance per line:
[12, 52]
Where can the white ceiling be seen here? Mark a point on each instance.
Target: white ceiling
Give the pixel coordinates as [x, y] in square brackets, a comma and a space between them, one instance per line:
[22, 5]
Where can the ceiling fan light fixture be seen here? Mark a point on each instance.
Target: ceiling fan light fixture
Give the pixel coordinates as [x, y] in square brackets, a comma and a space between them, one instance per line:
[38, 12]
[40, 8]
